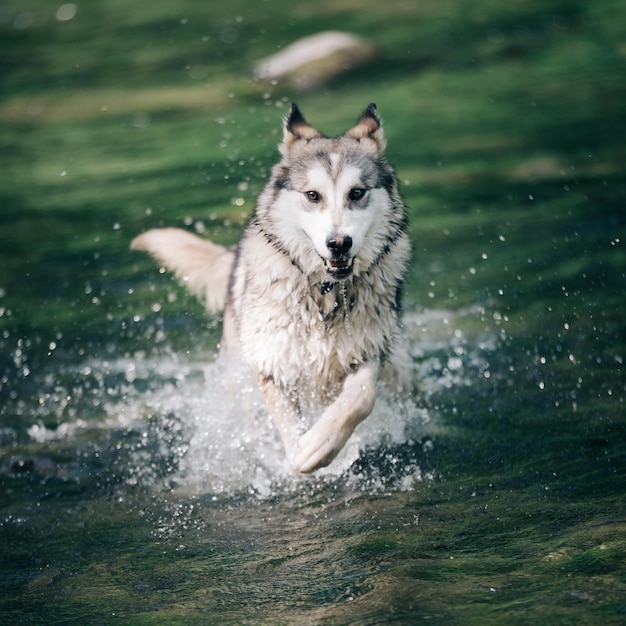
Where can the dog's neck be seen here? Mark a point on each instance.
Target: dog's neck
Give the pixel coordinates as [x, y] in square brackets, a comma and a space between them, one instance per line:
[327, 287]
[333, 299]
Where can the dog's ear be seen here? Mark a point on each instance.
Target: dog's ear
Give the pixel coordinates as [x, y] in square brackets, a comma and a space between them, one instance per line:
[369, 126]
[296, 128]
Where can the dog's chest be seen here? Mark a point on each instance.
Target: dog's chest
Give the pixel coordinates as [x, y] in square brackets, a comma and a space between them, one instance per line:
[310, 337]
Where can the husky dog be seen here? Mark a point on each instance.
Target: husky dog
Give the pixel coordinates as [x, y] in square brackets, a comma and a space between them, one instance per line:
[311, 294]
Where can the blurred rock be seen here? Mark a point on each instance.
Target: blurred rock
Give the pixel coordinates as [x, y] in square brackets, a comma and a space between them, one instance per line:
[312, 61]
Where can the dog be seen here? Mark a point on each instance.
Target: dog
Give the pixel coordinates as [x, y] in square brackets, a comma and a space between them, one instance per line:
[311, 295]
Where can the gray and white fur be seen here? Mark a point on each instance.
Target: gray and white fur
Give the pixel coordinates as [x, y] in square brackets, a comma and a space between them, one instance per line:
[311, 295]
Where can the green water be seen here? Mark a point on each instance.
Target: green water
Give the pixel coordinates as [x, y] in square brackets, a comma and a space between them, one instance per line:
[507, 505]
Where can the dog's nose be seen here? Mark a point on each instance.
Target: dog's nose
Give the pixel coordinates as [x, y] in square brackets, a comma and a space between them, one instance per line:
[339, 244]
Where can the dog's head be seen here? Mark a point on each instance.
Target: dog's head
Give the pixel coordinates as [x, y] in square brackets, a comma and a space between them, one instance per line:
[333, 196]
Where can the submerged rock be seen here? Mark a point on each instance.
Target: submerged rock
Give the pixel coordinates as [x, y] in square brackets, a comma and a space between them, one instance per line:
[314, 60]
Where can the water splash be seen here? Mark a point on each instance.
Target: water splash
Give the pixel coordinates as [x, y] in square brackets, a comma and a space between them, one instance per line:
[198, 425]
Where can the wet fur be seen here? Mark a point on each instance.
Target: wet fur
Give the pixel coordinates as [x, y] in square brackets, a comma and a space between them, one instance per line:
[311, 295]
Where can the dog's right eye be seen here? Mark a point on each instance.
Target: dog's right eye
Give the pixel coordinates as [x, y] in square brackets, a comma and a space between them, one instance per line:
[312, 196]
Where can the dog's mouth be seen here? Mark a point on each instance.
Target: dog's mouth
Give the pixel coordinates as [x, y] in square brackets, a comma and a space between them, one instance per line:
[339, 267]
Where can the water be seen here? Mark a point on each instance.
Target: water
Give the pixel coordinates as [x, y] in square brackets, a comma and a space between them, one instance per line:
[197, 423]
[141, 481]
[176, 456]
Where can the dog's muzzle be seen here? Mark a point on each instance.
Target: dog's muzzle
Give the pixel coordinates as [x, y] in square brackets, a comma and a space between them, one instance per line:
[339, 265]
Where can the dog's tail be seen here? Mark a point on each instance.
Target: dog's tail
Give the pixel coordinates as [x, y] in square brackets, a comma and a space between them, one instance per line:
[203, 266]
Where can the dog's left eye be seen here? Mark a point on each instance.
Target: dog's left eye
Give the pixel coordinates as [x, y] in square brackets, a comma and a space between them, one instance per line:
[358, 193]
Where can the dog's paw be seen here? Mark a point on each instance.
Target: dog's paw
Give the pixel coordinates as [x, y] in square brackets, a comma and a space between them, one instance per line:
[307, 461]
[318, 447]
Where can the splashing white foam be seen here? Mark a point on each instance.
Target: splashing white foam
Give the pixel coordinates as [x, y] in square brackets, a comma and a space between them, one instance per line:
[205, 426]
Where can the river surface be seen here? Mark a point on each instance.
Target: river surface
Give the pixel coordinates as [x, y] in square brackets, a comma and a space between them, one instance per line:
[141, 480]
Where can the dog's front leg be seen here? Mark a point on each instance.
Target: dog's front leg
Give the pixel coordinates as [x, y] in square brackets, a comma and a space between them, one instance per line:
[326, 438]
[284, 413]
